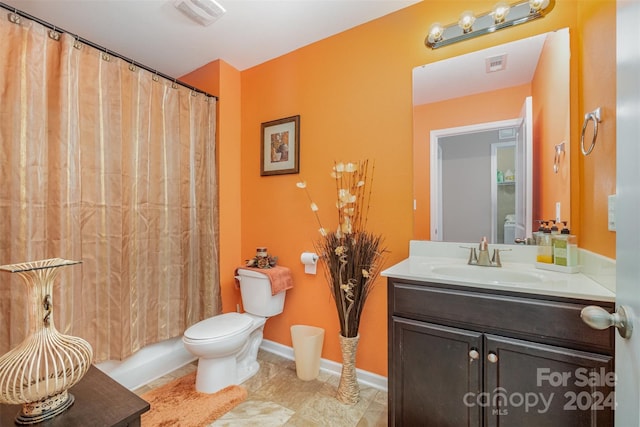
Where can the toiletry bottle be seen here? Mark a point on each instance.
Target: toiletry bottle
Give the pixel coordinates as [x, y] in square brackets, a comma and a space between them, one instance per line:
[509, 176]
[538, 234]
[565, 249]
[545, 250]
[500, 177]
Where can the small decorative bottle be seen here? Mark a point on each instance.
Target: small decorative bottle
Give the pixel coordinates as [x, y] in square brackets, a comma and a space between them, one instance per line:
[545, 250]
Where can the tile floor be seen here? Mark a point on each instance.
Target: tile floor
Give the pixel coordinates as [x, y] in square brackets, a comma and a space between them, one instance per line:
[278, 398]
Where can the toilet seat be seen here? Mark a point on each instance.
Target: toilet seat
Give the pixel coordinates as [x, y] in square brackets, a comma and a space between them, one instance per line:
[220, 326]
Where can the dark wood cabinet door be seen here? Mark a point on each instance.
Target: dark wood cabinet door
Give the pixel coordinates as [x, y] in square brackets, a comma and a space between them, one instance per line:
[433, 370]
[529, 384]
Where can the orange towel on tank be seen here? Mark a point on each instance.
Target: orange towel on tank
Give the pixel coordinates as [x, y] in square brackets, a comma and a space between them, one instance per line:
[280, 277]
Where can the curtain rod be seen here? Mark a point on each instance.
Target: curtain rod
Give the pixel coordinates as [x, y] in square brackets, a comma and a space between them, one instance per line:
[103, 49]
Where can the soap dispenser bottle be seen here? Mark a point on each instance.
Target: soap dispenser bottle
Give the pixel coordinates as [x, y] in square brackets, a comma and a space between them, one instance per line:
[565, 248]
[537, 235]
[545, 250]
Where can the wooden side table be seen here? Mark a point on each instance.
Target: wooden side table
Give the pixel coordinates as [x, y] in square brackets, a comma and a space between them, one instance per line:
[99, 402]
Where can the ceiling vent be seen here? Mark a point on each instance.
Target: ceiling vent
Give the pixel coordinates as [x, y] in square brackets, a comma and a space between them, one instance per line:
[509, 133]
[204, 12]
[496, 63]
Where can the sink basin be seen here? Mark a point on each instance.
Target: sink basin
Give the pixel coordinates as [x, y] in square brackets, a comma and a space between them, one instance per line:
[487, 274]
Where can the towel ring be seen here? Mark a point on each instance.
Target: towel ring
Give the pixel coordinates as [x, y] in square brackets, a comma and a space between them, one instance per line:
[595, 116]
[559, 149]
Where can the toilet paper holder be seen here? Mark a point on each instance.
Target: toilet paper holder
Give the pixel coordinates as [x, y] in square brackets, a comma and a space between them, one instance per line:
[310, 260]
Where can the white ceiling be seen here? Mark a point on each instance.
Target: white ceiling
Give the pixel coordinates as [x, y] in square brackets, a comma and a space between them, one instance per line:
[465, 75]
[155, 34]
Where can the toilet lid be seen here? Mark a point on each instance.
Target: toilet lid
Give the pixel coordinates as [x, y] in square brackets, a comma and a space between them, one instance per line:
[219, 326]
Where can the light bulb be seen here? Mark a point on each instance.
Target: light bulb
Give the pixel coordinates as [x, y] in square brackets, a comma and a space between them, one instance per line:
[466, 21]
[500, 12]
[537, 5]
[435, 32]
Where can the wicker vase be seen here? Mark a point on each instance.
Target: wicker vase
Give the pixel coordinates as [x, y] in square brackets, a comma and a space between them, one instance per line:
[40, 370]
[348, 388]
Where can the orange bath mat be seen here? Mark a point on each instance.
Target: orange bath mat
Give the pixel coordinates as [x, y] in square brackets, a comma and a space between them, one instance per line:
[178, 404]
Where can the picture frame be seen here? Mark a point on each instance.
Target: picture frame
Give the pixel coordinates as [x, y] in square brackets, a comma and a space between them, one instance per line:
[280, 146]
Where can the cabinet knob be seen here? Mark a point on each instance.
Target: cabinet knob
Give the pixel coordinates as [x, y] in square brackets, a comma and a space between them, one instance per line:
[473, 354]
[599, 318]
[492, 357]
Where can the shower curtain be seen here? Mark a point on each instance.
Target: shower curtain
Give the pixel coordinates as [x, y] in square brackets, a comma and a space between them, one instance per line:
[104, 162]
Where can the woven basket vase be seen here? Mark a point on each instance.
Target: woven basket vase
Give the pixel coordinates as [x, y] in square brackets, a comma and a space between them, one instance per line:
[39, 371]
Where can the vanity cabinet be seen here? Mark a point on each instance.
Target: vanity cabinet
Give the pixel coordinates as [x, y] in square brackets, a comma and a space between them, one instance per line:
[464, 356]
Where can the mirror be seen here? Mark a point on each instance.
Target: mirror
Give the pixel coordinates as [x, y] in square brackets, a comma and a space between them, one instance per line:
[489, 128]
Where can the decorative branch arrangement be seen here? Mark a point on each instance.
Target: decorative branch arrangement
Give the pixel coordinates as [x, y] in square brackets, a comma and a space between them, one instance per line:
[353, 256]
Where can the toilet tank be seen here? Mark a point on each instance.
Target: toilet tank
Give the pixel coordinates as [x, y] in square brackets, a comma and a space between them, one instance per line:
[255, 289]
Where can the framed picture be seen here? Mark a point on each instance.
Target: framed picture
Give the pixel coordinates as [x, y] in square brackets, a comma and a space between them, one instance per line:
[280, 146]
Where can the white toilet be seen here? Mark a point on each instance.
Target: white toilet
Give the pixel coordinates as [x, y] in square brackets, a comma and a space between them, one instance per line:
[227, 345]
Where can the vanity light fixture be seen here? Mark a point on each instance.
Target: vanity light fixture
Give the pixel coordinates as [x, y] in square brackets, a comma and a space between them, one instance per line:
[502, 16]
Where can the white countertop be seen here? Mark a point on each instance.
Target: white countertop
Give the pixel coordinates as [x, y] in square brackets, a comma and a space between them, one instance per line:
[426, 258]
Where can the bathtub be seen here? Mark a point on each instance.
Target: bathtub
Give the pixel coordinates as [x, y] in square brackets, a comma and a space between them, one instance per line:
[147, 364]
[157, 360]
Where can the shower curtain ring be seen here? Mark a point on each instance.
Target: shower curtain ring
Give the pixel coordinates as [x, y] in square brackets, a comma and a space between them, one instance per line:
[14, 18]
[53, 34]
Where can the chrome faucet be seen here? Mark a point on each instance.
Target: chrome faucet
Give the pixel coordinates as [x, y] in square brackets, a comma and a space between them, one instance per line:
[481, 257]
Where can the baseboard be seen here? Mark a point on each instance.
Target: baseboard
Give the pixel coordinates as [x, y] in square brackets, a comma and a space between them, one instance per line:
[364, 377]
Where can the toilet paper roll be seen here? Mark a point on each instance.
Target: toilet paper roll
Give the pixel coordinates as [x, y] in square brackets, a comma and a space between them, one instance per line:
[310, 260]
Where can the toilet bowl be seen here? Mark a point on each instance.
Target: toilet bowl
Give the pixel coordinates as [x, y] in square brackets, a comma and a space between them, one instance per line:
[227, 344]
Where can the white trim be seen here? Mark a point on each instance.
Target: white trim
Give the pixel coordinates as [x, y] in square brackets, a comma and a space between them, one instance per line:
[436, 165]
[364, 377]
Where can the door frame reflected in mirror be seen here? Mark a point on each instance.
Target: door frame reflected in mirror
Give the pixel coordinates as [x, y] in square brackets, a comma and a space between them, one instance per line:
[523, 186]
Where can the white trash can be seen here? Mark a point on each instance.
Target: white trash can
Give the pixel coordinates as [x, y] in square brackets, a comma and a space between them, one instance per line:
[307, 348]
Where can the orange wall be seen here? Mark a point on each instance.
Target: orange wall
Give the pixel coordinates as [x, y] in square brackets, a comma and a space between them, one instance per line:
[551, 126]
[467, 110]
[353, 93]
[597, 88]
